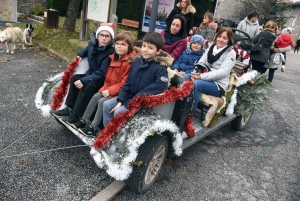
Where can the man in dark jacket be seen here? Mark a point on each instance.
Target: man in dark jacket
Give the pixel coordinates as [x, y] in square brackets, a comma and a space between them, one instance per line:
[84, 86]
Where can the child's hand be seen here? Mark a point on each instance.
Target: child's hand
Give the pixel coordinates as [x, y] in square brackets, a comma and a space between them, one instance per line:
[79, 58]
[78, 84]
[105, 93]
[117, 106]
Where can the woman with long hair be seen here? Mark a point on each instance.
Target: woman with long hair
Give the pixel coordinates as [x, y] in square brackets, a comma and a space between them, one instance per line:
[175, 36]
[204, 30]
[185, 8]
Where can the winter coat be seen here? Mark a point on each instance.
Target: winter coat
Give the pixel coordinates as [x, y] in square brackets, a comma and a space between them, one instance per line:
[117, 73]
[264, 55]
[284, 40]
[220, 69]
[146, 78]
[98, 60]
[251, 28]
[298, 43]
[207, 33]
[185, 63]
[188, 16]
[273, 65]
[176, 48]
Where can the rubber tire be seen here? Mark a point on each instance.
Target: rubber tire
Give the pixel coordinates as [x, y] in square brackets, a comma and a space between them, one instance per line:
[146, 152]
[238, 124]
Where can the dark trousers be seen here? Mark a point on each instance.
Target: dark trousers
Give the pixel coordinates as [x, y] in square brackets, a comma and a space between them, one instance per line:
[271, 73]
[296, 49]
[78, 99]
[258, 66]
[284, 54]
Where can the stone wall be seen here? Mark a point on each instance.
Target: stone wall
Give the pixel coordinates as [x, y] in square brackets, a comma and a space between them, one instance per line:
[8, 10]
[26, 6]
[230, 9]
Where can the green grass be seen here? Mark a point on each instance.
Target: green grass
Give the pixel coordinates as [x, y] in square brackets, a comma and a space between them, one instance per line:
[58, 40]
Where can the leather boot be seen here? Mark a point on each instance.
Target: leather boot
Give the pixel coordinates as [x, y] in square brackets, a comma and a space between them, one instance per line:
[216, 104]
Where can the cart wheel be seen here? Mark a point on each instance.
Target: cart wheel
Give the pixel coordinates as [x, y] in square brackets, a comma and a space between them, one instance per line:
[241, 121]
[153, 154]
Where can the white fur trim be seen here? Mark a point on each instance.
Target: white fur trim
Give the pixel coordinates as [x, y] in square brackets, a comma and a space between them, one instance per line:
[246, 77]
[232, 103]
[122, 171]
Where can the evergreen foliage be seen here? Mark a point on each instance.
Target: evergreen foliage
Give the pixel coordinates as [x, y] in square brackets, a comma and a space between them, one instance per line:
[269, 10]
[254, 96]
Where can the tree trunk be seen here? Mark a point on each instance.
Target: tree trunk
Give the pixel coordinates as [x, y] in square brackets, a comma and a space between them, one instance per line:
[71, 16]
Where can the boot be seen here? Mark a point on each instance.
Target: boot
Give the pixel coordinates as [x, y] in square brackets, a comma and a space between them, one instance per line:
[215, 103]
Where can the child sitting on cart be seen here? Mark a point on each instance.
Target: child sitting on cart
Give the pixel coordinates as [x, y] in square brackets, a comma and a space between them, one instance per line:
[115, 78]
[84, 86]
[185, 63]
[148, 76]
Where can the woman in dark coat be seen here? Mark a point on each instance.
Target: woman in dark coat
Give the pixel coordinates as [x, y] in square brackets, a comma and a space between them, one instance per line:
[259, 59]
[185, 8]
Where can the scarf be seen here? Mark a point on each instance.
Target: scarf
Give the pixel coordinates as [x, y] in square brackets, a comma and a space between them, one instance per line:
[212, 58]
[171, 38]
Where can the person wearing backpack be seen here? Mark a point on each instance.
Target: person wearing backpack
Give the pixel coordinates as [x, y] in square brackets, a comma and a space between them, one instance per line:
[266, 38]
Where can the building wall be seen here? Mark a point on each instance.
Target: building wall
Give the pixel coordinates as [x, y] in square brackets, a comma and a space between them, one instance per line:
[26, 6]
[229, 9]
[8, 10]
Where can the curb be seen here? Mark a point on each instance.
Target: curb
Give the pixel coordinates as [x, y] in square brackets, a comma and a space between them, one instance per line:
[110, 192]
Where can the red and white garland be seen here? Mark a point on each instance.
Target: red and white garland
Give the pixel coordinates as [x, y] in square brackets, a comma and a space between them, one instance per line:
[145, 102]
[62, 90]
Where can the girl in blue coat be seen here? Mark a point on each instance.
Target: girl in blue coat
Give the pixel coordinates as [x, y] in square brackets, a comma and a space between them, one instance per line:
[185, 63]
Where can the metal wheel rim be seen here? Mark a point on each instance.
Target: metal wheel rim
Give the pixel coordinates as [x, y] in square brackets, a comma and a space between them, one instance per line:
[155, 164]
[246, 116]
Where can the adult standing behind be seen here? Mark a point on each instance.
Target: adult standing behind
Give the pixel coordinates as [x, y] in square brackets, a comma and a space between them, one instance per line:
[220, 58]
[175, 37]
[297, 46]
[249, 25]
[259, 59]
[204, 30]
[185, 8]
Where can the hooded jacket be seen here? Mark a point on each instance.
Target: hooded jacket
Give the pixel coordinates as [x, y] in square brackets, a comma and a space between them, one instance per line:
[185, 63]
[252, 28]
[117, 73]
[146, 78]
[220, 69]
[284, 40]
[175, 49]
[207, 33]
[98, 60]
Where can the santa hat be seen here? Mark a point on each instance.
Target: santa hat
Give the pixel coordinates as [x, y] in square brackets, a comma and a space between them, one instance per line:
[106, 27]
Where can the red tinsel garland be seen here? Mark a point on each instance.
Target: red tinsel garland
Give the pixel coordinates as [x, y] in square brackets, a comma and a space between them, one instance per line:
[188, 127]
[62, 90]
[141, 102]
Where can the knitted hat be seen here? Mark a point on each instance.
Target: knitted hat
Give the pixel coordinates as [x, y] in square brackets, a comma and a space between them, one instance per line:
[287, 30]
[197, 38]
[106, 27]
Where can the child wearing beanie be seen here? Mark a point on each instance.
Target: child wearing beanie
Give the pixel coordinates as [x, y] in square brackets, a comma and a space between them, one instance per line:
[185, 63]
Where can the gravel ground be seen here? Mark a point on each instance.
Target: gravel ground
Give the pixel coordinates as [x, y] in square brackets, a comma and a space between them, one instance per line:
[35, 161]
[260, 163]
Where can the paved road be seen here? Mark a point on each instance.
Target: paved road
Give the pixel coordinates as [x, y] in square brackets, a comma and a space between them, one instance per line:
[29, 169]
[260, 163]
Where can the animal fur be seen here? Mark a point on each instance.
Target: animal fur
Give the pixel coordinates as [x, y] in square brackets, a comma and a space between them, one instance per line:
[233, 80]
[28, 33]
[10, 36]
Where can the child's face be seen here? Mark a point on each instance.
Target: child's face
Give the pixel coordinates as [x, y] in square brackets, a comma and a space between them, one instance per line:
[104, 38]
[205, 19]
[196, 46]
[121, 48]
[149, 50]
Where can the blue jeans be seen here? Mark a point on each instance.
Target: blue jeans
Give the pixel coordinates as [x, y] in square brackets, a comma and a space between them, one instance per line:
[202, 86]
[108, 105]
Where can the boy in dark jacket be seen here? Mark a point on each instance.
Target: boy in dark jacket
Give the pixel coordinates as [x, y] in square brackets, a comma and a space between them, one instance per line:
[84, 86]
[185, 63]
[148, 76]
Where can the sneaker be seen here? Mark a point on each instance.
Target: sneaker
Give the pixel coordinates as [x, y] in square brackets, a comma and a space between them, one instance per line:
[71, 119]
[78, 124]
[60, 113]
[282, 69]
[88, 130]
